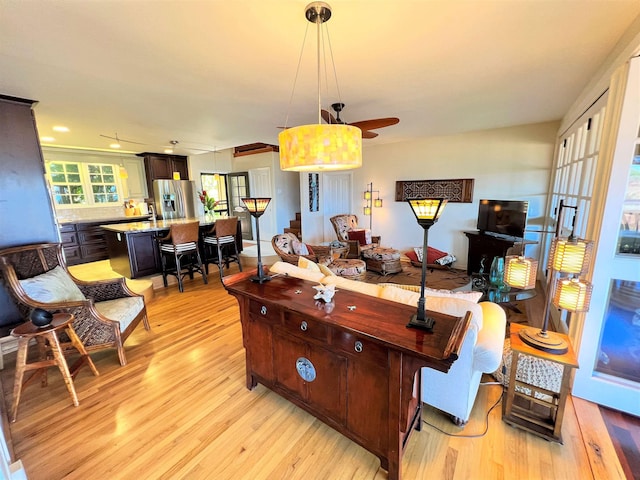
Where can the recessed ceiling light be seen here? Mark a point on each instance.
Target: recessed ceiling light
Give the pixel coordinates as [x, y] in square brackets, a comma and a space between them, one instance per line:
[60, 128]
[47, 139]
[114, 145]
[168, 150]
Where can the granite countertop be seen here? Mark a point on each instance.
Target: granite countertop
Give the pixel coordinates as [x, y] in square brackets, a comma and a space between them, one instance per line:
[136, 218]
[154, 226]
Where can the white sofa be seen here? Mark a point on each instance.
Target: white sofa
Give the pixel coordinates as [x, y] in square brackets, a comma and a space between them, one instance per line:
[453, 392]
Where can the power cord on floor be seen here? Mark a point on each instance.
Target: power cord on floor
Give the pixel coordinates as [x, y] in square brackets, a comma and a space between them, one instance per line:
[486, 426]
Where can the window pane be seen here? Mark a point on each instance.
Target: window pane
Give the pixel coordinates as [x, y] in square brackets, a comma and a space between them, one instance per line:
[73, 178]
[72, 167]
[108, 179]
[95, 178]
[629, 237]
[58, 177]
[94, 168]
[107, 169]
[56, 168]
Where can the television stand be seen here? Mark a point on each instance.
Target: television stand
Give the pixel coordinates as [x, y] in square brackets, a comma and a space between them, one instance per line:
[486, 246]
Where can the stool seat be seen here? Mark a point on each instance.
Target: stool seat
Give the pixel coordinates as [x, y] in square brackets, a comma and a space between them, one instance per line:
[353, 268]
[47, 339]
[382, 260]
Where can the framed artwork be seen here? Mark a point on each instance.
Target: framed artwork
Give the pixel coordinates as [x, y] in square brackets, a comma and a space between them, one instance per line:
[314, 192]
[457, 190]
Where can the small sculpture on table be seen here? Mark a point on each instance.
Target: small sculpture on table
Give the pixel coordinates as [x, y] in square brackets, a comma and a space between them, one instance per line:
[324, 297]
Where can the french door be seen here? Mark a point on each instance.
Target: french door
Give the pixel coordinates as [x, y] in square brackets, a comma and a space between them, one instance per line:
[239, 189]
[609, 337]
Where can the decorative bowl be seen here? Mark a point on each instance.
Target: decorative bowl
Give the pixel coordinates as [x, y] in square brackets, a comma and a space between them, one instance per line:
[41, 318]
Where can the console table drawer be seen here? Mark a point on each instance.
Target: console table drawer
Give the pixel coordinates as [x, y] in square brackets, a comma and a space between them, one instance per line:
[305, 328]
[264, 311]
[361, 347]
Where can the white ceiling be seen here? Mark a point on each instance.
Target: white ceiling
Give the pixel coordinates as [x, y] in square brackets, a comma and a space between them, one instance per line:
[220, 73]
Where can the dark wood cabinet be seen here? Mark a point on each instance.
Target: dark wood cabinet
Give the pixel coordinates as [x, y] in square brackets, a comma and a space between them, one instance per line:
[85, 242]
[159, 166]
[355, 369]
[483, 248]
[133, 255]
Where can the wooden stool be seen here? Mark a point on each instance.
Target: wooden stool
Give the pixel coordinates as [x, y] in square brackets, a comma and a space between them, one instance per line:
[47, 338]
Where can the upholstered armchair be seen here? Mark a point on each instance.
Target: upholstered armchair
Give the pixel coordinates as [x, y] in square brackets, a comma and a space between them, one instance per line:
[290, 249]
[358, 238]
[105, 312]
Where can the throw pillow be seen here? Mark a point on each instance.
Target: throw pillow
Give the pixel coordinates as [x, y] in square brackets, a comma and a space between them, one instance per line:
[324, 269]
[359, 235]
[308, 264]
[299, 248]
[418, 252]
[52, 286]
[413, 256]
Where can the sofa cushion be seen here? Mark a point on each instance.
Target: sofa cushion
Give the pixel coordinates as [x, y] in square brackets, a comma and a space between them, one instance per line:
[283, 242]
[53, 286]
[297, 272]
[353, 285]
[300, 248]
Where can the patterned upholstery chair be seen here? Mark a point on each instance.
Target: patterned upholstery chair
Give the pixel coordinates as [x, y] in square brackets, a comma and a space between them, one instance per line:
[105, 311]
[290, 249]
[363, 245]
[348, 231]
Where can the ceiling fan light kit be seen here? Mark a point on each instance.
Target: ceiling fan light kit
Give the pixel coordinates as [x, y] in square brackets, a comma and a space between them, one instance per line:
[320, 147]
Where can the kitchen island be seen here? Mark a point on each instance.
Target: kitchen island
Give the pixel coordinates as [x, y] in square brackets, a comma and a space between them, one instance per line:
[133, 249]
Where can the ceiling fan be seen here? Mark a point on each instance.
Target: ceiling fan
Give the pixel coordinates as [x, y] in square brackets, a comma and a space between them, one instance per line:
[365, 125]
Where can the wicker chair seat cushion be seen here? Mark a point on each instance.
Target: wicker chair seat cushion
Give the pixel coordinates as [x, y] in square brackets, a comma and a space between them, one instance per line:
[122, 310]
[381, 254]
[53, 286]
[348, 267]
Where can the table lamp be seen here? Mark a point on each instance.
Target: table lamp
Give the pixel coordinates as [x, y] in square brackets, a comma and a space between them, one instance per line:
[427, 212]
[256, 207]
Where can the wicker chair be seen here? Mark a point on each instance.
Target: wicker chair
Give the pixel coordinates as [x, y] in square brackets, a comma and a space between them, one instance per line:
[105, 311]
[283, 246]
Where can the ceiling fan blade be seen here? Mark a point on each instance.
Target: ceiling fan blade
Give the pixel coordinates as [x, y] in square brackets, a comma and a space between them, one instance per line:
[368, 134]
[375, 123]
[327, 117]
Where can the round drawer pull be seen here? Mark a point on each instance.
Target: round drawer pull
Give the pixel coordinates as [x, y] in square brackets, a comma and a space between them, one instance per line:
[358, 346]
[304, 326]
[263, 310]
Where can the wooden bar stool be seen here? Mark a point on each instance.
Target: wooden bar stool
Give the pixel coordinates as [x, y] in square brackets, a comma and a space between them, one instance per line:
[47, 339]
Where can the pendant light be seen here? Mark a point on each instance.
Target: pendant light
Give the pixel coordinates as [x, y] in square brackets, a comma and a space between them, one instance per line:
[318, 147]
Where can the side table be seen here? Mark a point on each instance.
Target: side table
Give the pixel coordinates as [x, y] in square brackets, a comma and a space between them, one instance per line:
[47, 339]
[532, 407]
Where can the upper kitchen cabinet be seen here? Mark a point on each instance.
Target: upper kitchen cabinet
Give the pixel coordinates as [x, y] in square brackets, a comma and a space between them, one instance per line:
[136, 181]
[160, 166]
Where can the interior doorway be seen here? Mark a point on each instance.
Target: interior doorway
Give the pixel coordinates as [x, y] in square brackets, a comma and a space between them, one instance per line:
[238, 188]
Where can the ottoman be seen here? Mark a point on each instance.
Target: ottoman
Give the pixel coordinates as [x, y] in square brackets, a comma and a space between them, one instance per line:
[353, 269]
[382, 260]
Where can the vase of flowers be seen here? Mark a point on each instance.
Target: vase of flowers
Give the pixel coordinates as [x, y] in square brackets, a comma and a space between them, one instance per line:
[209, 203]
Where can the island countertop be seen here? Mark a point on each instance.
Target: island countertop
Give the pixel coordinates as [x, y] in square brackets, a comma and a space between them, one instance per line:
[155, 226]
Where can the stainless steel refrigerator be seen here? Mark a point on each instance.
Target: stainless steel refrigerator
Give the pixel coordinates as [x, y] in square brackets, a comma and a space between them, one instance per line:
[174, 198]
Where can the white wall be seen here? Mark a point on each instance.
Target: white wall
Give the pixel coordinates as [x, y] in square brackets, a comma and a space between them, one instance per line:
[506, 163]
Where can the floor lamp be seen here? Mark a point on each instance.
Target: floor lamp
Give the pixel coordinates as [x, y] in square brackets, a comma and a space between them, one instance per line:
[256, 207]
[571, 258]
[427, 212]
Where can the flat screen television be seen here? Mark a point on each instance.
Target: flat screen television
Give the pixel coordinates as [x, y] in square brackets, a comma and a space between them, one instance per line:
[503, 217]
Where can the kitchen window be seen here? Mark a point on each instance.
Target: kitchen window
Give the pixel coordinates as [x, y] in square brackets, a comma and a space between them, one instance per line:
[74, 184]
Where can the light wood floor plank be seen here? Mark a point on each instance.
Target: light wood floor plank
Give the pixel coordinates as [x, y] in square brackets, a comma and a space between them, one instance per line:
[180, 410]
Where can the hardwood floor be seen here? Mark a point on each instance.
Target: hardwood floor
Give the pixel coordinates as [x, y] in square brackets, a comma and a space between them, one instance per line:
[180, 409]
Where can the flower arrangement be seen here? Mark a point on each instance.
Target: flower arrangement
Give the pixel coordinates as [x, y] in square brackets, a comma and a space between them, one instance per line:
[209, 203]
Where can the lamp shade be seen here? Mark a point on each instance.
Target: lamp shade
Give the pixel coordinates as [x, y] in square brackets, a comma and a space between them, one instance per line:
[310, 148]
[570, 255]
[427, 210]
[367, 194]
[573, 295]
[520, 272]
[377, 203]
[367, 210]
[256, 206]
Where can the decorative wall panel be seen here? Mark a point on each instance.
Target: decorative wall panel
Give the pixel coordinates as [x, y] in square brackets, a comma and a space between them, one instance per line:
[458, 190]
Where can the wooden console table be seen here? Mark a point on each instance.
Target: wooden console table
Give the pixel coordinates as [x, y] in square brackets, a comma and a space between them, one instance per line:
[355, 369]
